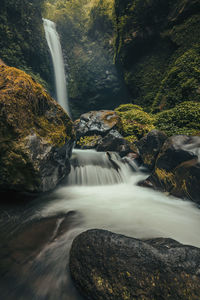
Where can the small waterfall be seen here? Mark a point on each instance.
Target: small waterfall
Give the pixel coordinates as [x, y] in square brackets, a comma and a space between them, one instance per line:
[97, 168]
[53, 41]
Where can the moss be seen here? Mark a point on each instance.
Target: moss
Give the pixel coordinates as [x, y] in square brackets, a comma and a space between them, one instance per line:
[157, 48]
[88, 141]
[181, 82]
[126, 107]
[165, 177]
[182, 119]
[22, 38]
[134, 121]
[26, 107]
[31, 122]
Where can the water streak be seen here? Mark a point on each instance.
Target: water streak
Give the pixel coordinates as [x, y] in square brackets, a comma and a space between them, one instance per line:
[53, 41]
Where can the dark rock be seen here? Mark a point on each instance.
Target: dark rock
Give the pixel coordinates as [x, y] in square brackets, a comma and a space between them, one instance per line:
[106, 266]
[36, 135]
[114, 141]
[96, 122]
[149, 147]
[177, 168]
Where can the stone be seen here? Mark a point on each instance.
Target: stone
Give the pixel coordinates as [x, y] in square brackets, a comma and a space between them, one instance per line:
[96, 123]
[106, 265]
[114, 141]
[177, 168]
[36, 135]
[149, 146]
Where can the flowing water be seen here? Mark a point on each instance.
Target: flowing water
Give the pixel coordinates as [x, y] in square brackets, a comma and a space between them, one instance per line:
[53, 42]
[100, 192]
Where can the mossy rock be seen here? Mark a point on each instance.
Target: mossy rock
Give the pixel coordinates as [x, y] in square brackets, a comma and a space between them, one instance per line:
[182, 119]
[110, 266]
[177, 168]
[135, 123]
[34, 131]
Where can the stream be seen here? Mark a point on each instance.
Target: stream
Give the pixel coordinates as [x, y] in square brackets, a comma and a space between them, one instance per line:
[100, 192]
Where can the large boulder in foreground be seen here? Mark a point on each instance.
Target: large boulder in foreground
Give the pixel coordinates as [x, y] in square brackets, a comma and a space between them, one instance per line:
[106, 266]
[36, 135]
[177, 168]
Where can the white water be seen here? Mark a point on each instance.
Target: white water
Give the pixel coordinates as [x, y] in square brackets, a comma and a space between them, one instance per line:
[119, 205]
[111, 201]
[53, 41]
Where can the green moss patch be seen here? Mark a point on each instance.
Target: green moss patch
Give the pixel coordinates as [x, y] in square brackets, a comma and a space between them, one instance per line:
[135, 123]
[182, 119]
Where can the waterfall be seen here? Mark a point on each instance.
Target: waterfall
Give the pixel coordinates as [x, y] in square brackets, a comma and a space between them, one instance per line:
[89, 167]
[53, 42]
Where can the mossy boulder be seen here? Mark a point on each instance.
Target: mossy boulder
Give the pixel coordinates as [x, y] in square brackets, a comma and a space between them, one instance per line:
[106, 265]
[182, 119]
[135, 122]
[177, 168]
[36, 135]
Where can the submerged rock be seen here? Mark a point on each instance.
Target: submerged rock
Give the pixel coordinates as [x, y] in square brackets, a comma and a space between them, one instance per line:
[177, 168]
[36, 135]
[106, 265]
[149, 147]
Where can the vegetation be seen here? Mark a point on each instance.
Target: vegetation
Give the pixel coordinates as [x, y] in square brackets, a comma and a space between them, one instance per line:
[24, 105]
[135, 122]
[22, 40]
[182, 119]
[157, 47]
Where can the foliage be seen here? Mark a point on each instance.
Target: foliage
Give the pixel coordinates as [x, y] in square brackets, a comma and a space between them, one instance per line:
[182, 119]
[135, 123]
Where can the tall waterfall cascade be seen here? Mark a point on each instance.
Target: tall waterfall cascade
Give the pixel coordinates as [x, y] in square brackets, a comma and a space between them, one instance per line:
[53, 42]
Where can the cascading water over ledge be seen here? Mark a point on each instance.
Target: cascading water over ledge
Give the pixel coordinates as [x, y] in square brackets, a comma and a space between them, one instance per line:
[89, 167]
[53, 42]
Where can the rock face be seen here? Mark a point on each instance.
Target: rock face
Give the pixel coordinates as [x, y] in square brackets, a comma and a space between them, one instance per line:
[36, 135]
[105, 265]
[156, 47]
[177, 168]
[149, 147]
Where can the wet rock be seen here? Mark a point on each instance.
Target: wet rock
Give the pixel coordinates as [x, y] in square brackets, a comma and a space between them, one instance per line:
[114, 141]
[177, 168]
[105, 265]
[36, 135]
[149, 147]
[96, 122]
